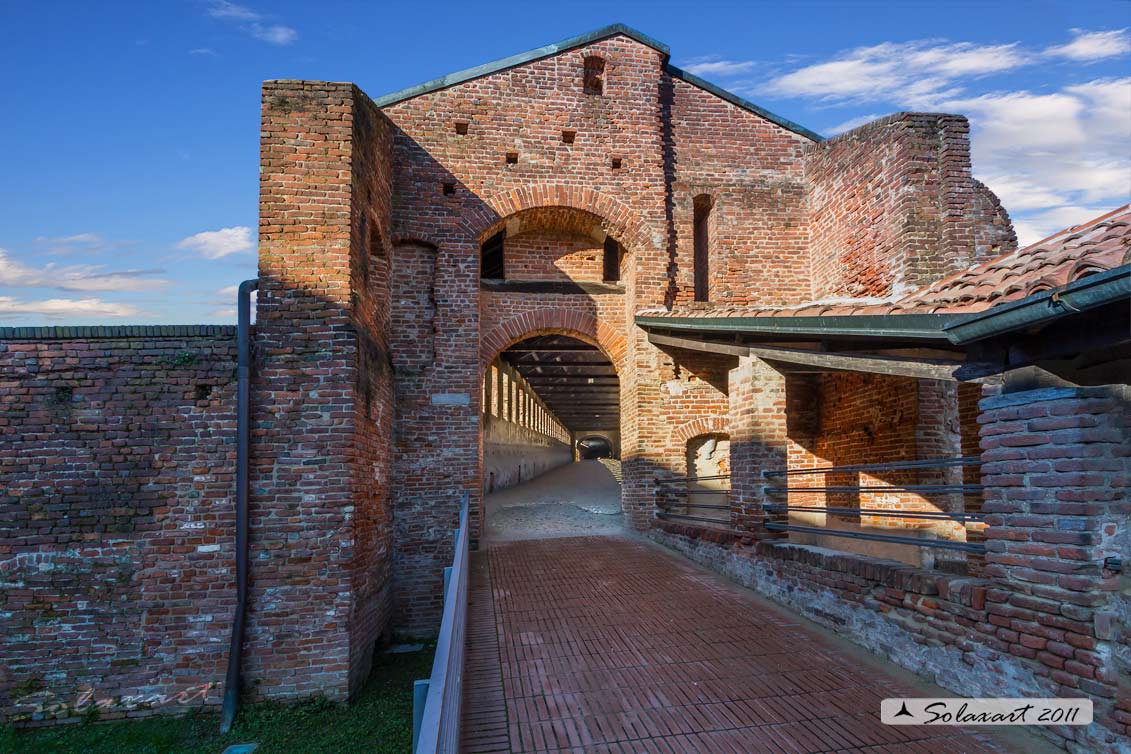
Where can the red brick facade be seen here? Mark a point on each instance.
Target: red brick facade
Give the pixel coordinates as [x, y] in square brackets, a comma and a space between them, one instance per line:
[374, 332]
[117, 456]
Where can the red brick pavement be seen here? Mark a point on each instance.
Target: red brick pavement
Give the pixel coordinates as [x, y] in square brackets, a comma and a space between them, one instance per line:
[596, 644]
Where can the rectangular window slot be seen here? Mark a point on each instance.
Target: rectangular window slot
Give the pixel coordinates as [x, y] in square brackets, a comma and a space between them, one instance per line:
[449, 189]
[512, 158]
[461, 127]
[617, 162]
[568, 136]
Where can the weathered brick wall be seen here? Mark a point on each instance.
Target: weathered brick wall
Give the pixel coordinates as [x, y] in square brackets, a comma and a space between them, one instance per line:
[1046, 619]
[117, 455]
[753, 171]
[322, 419]
[893, 207]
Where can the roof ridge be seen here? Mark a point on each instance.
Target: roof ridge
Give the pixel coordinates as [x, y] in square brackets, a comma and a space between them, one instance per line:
[554, 48]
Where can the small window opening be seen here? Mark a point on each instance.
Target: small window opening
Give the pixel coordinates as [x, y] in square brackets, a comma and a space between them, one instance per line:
[461, 127]
[64, 394]
[203, 392]
[492, 265]
[376, 247]
[611, 260]
[568, 137]
[701, 242]
[512, 158]
[594, 81]
[617, 162]
[449, 189]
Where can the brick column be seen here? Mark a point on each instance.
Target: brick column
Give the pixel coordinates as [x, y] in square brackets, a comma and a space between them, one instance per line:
[1057, 479]
[758, 435]
[322, 396]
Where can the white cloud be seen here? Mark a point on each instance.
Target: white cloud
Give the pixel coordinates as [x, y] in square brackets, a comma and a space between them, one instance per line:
[1093, 45]
[920, 71]
[275, 34]
[216, 244]
[1035, 226]
[59, 308]
[228, 291]
[717, 67]
[204, 52]
[231, 11]
[250, 22]
[79, 277]
[222, 314]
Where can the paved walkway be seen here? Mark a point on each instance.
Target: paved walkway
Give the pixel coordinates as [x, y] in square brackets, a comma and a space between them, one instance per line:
[595, 645]
[578, 499]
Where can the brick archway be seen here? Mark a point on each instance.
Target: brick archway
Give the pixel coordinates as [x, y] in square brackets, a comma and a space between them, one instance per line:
[551, 321]
[704, 425]
[619, 219]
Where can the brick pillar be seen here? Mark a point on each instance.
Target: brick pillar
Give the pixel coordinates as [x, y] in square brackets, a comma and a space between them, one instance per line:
[758, 436]
[322, 396]
[1057, 477]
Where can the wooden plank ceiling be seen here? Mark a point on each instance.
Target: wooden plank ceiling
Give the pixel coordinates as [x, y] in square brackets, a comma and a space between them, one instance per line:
[575, 380]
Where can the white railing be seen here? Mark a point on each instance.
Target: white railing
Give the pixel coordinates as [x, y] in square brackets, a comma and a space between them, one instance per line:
[437, 701]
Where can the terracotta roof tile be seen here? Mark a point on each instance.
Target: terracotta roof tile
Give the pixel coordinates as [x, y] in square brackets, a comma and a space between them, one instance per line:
[1096, 246]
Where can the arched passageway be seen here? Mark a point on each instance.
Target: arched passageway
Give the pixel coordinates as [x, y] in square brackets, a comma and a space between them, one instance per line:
[540, 395]
[592, 448]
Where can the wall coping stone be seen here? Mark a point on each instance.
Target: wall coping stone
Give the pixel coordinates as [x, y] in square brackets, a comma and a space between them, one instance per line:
[74, 332]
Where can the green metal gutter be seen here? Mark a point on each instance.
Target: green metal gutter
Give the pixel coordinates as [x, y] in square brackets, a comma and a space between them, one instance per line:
[459, 77]
[1088, 293]
[915, 326]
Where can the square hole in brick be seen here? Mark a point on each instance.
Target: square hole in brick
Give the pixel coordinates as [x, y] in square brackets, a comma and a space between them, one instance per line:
[568, 136]
[449, 189]
[617, 162]
[203, 392]
[512, 158]
[461, 127]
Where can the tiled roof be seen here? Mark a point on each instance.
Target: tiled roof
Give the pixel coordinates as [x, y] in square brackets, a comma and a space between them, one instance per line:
[1096, 246]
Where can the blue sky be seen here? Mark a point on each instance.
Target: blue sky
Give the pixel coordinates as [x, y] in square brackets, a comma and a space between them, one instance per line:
[130, 130]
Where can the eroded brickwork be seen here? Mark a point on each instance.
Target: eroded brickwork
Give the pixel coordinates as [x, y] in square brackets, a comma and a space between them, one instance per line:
[117, 455]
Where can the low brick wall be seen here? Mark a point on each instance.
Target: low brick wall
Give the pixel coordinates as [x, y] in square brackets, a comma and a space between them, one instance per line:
[117, 453]
[940, 626]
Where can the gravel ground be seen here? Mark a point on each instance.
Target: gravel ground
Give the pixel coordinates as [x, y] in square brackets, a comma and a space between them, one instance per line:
[578, 499]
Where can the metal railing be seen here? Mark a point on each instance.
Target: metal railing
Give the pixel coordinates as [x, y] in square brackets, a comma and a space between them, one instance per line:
[668, 493]
[914, 515]
[436, 702]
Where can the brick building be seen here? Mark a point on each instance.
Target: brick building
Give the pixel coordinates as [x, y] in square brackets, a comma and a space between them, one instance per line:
[460, 281]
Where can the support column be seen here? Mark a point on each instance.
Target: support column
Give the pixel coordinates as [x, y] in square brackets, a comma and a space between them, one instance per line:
[757, 440]
[1056, 465]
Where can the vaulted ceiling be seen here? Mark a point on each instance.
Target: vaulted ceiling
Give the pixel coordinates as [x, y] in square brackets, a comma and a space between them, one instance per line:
[574, 379]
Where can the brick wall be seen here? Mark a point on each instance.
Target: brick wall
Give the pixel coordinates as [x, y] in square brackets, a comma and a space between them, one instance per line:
[1047, 619]
[117, 454]
[322, 423]
[894, 207]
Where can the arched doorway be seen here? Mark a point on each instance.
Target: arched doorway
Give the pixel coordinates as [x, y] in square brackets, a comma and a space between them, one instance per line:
[539, 395]
[594, 447]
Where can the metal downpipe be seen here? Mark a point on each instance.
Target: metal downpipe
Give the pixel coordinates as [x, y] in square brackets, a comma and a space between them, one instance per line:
[243, 435]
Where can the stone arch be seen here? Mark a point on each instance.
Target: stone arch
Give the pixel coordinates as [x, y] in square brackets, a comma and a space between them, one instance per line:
[620, 220]
[703, 425]
[551, 321]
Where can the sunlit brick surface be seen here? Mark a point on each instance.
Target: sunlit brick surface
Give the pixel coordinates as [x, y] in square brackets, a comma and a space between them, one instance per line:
[612, 645]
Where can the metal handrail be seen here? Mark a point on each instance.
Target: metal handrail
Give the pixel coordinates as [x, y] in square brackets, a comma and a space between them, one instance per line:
[926, 463]
[838, 510]
[438, 700]
[683, 479]
[704, 519]
[941, 544]
[849, 488]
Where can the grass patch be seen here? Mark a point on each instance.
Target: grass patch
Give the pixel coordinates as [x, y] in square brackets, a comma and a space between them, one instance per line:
[378, 721]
